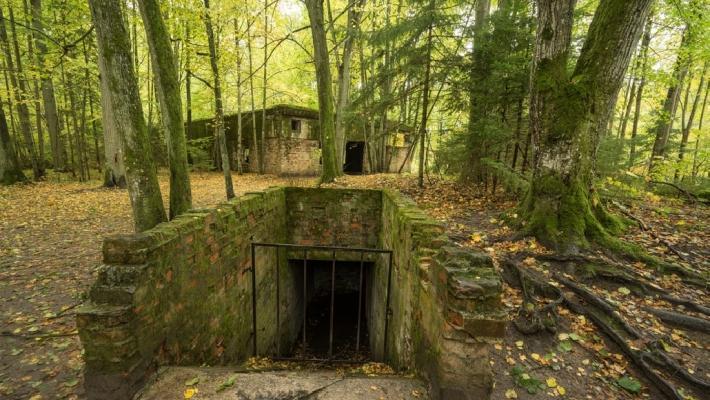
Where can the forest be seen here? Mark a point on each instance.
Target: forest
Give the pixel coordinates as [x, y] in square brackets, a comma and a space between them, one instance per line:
[566, 139]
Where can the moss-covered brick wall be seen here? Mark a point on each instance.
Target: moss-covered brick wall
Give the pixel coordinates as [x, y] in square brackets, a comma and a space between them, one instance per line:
[337, 217]
[445, 303]
[180, 293]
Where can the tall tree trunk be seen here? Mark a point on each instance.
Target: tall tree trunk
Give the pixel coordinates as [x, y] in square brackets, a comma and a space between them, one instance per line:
[385, 96]
[664, 120]
[689, 124]
[256, 144]
[75, 123]
[219, 111]
[559, 207]
[35, 91]
[643, 56]
[627, 109]
[343, 97]
[237, 46]
[696, 164]
[262, 154]
[325, 91]
[188, 83]
[10, 171]
[167, 84]
[125, 111]
[94, 131]
[425, 100]
[19, 91]
[476, 136]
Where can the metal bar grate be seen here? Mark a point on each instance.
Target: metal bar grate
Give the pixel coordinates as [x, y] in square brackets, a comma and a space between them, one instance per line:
[333, 250]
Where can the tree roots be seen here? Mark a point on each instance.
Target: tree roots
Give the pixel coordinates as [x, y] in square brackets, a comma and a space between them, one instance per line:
[533, 318]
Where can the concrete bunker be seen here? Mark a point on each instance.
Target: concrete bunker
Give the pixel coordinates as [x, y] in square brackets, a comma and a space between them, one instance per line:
[181, 293]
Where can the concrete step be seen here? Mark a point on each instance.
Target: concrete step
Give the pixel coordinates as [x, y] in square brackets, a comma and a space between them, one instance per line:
[281, 385]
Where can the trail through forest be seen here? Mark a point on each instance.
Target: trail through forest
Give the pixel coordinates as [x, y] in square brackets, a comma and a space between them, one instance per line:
[50, 241]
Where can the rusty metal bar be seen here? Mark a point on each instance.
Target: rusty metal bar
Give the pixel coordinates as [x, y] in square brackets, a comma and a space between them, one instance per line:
[332, 306]
[278, 303]
[387, 307]
[305, 296]
[253, 296]
[359, 303]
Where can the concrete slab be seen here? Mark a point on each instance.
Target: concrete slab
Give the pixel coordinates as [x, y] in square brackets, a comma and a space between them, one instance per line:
[280, 385]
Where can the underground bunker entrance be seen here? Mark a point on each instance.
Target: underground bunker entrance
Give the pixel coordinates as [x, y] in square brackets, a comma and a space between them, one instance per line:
[334, 317]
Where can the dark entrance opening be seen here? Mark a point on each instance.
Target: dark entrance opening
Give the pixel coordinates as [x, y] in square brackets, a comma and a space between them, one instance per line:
[354, 157]
[331, 305]
[350, 340]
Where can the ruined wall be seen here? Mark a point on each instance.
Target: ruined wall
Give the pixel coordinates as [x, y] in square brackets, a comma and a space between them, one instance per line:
[445, 303]
[180, 293]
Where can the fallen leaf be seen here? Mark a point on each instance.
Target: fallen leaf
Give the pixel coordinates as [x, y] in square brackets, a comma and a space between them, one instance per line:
[192, 382]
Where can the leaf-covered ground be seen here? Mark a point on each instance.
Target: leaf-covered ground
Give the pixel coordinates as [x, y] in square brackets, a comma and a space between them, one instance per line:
[50, 240]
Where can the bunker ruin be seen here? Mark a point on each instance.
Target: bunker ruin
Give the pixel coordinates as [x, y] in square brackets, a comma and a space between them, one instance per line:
[292, 272]
[291, 140]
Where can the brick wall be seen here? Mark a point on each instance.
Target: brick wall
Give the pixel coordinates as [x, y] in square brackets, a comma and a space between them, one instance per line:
[337, 217]
[299, 157]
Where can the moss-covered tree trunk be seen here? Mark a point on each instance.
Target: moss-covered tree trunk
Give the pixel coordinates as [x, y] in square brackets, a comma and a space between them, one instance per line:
[569, 111]
[124, 110]
[10, 171]
[325, 91]
[165, 74]
[219, 108]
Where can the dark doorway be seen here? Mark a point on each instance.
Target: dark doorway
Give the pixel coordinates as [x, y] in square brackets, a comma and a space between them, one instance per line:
[354, 157]
[350, 340]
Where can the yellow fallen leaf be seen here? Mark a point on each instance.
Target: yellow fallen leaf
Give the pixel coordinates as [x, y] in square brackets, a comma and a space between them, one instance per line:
[561, 390]
[511, 394]
[519, 344]
[551, 382]
[190, 392]
[535, 356]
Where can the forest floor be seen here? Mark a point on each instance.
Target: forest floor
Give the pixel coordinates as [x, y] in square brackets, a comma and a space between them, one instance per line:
[50, 246]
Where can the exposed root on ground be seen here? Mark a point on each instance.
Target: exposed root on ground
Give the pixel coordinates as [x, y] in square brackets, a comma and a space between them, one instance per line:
[645, 227]
[544, 290]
